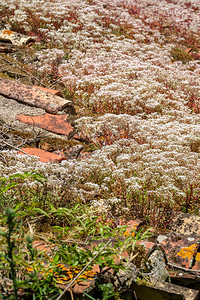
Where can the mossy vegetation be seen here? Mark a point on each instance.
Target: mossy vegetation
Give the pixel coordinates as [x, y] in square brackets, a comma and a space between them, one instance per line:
[179, 54]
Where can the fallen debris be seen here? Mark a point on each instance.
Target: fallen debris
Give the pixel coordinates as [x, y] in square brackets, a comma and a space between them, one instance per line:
[44, 156]
[186, 224]
[15, 38]
[54, 123]
[182, 250]
[73, 152]
[33, 96]
[53, 92]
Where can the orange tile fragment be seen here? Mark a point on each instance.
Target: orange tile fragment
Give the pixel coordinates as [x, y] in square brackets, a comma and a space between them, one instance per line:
[188, 50]
[132, 227]
[44, 156]
[54, 123]
[53, 92]
[33, 96]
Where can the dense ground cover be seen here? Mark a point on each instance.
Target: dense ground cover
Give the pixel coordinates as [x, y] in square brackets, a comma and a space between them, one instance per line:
[124, 65]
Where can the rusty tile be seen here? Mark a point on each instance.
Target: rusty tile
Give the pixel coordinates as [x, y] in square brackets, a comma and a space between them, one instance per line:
[73, 152]
[15, 38]
[84, 155]
[189, 50]
[54, 123]
[181, 250]
[186, 224]
[43, 156]
[53, 92]
[33, 96]
[181, 275]
[148, 246]
[132, 227]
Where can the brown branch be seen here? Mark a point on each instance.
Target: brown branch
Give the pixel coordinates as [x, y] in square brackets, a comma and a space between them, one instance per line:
[182, 268]
[14, 147]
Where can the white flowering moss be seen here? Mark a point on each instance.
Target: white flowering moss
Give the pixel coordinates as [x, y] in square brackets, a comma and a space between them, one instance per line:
[115, 58]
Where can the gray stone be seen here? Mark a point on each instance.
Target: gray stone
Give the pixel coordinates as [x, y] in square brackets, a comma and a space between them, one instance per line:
[161, 238]
[158, 269]
[124, 278]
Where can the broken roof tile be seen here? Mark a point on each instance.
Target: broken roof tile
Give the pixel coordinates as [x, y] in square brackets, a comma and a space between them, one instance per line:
[53, 92]
[15, 38]
[186, 224]
[182, 250]
[33, 96]
[44, 156]
[54, 123]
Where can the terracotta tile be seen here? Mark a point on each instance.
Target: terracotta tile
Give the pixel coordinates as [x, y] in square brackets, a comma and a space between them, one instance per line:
[79, 136]
[186, 224]
[43, 156]
[73, 152]
[83, 286]
[33, 96]
[53, 92]
[148, 246]
[54, 123]
[198, 55]
[80, 286]
[132, 227]
[15, 38]
[45, 247]
[189, 50]
[181, 250]
[84, 155]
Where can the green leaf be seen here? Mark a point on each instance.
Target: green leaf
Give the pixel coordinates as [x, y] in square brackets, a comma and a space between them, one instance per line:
[56, 258]
[90, 297]
[40, 211]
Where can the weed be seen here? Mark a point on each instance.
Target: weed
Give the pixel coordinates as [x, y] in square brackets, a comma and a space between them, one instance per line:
[179, 54]
[34, 273]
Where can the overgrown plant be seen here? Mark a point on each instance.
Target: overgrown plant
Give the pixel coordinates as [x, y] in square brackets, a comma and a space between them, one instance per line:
[34, 273]
[14, 181]
[9, 254]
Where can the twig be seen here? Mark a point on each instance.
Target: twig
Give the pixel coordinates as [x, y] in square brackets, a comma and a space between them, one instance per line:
[182, 268]
[53, 84]
[16, 148]
[81, 272]
[15, 62]
[71, 294]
